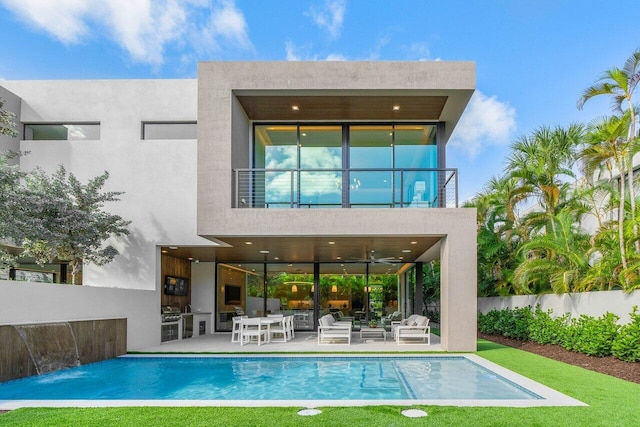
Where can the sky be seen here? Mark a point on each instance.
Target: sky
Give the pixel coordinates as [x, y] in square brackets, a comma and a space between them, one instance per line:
[533, 57]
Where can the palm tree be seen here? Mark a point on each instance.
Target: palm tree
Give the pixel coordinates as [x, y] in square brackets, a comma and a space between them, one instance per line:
[540, 161]
[620, 84]
[606, 144]
[559, 260]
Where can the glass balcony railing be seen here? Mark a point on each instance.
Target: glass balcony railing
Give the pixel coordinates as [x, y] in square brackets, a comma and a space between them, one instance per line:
[346, 188]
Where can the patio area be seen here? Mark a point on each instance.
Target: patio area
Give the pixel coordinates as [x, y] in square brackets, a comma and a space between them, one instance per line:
[303, 342]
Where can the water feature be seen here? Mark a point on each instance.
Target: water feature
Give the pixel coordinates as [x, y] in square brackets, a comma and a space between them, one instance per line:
[51, 346]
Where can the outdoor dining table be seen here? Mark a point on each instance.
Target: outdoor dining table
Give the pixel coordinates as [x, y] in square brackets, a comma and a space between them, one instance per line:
[268, 321]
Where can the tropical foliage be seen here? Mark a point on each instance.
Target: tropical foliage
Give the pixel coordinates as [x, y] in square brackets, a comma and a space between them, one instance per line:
[562, 217]
[56, 217]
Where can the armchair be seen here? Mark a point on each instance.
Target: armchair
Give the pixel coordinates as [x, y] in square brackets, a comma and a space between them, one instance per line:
[331, 331]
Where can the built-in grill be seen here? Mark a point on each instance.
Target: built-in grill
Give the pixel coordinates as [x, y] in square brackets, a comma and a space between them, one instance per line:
[170, 314]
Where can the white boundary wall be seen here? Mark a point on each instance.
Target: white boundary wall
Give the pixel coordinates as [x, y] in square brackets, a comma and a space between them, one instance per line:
[25, 302]
[589, 303]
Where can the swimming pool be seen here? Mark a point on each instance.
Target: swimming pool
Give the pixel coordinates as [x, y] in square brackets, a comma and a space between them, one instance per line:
[272, 380]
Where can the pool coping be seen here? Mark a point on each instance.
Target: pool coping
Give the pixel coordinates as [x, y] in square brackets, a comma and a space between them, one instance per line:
[548, 396]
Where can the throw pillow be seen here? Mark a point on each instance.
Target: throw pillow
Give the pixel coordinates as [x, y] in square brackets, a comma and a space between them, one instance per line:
[404, 322]
[414, 324]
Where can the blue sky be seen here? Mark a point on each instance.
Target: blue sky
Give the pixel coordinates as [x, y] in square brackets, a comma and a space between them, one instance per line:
[533, 57]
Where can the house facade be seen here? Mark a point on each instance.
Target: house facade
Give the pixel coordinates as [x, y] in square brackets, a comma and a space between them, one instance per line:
[306, 187]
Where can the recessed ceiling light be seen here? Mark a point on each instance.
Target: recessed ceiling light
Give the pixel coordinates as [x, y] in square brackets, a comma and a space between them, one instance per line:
[248, 243]
[190, 258]
[400, 257]
[276, 258]
[164, 251]
[414, 243]
[264, 252]
[290, 265]
[406, 251]
[304, 134]
[173, 247]
[396, 108]
[338, 257]
[295, 108]
[332, 243]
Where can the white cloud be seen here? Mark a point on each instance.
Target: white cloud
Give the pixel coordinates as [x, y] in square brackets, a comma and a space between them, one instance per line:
[143, 28]
[295, 53]
[330, 16]
[485, 122]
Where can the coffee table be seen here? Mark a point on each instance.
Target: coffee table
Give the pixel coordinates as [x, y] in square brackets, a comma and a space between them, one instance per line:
[367, 333]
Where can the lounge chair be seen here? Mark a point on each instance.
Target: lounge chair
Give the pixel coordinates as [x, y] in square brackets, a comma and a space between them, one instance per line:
[330, 331]
[417, 329]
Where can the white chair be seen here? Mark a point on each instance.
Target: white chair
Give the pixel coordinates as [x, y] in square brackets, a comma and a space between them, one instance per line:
[331, 331]
[253, 327]
[417, 330]
[278, 329]
[291, 332]
[235, 331]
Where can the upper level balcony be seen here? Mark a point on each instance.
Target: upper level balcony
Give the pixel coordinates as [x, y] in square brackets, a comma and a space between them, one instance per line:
[346, 188]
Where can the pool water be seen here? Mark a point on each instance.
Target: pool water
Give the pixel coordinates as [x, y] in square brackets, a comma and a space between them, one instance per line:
[268, 378]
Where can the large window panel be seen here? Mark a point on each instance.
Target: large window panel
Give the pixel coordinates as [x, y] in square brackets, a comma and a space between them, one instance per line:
[415, 148]
[321, 148]
[62, 132]
[170, 130]
[370, 147]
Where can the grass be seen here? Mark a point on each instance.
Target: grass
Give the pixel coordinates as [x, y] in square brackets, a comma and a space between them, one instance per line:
[612, 402]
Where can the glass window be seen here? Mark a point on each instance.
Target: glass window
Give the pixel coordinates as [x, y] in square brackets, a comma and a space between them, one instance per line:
[290, 291]
[61, 132]
[321, 148]
[415, 148]
[370, 147]
[170, 130]
[240, 289]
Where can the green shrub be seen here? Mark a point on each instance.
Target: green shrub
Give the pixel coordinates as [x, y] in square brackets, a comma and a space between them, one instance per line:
[519, 326]
[590, 335]
[487, 322]
[544, 329]
[626, 345]
[509, 323]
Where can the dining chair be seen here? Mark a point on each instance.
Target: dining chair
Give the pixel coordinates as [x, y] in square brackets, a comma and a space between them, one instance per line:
[237, 328]
[253, 327]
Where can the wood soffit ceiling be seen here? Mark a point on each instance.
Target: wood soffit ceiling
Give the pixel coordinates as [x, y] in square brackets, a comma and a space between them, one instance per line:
[343, 108]
[308, 249]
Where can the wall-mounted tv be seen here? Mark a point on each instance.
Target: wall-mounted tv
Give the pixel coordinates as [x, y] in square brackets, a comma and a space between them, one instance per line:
[232, 295]
[176, 286]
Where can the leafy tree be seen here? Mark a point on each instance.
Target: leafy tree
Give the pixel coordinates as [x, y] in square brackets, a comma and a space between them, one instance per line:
[558, 260]
[606, 145]
[9, 179]
[64, 219]
[620, 84]
[7, 125]
[542, 161]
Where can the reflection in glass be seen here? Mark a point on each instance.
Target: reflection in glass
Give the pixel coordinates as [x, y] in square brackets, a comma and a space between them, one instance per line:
[245, 280]
[415, 148]
[371, 147]
[290, 292]
[321, 148]
[62, 132]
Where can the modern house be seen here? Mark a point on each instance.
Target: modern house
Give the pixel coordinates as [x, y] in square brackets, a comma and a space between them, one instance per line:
[306, 187]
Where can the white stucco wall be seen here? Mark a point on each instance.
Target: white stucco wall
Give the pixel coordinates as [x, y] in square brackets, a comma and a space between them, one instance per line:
[25, 302]
[589, 303]
[157, 176]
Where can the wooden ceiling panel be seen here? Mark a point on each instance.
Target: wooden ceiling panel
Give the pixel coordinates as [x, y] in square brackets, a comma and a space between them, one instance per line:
[343, 108]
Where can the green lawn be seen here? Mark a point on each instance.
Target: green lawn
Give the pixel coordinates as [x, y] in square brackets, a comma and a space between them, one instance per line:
[613, 402]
